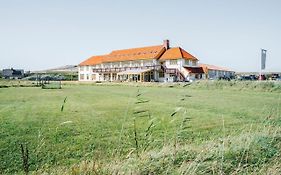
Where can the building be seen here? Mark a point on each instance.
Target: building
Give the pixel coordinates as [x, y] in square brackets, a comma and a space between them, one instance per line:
[146, 64]
[12, 73]
[216, 72]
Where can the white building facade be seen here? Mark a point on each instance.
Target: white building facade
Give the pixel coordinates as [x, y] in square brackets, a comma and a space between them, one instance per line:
[155, 63]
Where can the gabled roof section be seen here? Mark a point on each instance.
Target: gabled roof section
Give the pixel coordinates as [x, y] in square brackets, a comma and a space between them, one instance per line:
[93, 60]
[176, 53]
[141, 53]
[162, 52]
[213, 67]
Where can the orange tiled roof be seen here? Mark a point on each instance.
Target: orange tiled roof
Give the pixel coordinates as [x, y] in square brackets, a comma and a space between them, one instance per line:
[212, 67]
[152, 52]
[93, 60]
[175, 53]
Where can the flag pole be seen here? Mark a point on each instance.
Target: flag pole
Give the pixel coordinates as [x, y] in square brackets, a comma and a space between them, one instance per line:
[263, 62]
[261, 65]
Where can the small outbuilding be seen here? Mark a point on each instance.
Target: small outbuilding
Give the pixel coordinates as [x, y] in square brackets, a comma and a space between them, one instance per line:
[216, 72]
[13, 73]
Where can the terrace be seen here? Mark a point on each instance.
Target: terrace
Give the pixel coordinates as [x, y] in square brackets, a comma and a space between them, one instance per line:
[122, 69]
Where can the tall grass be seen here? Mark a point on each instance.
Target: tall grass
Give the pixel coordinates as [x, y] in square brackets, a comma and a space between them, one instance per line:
[251, 152]
[141, 130]
[269, 86]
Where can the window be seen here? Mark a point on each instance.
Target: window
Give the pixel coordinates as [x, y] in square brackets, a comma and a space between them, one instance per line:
[125, 64]
[81, 68]
[87, 68]
[136, 63]
[147, 63]
[194, 63]
[115, 64]
[106, 65]
[94, 76]
[161, 74]
[81, 76]
[173, 62]
[187, 62]
[87, 76]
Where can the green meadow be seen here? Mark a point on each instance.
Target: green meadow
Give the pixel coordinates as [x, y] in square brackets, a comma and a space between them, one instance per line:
[141, 129]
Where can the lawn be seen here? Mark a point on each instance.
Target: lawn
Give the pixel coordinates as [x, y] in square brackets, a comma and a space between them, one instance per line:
[105, 129]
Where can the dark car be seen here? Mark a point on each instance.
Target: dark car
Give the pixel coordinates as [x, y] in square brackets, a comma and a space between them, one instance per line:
[247, 78]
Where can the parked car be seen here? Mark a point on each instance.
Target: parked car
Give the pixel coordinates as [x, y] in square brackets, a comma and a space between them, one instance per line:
[247, 78]
[224, 78]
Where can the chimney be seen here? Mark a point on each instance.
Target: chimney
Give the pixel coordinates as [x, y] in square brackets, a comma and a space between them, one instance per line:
[166, 44]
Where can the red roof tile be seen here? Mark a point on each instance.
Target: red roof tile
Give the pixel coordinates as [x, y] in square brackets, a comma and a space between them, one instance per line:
[143, 53]
[93, 60]
[212, 67]
[176, 53]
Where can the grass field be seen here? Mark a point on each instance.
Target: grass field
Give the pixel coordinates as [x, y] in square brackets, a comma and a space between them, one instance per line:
[91, 129]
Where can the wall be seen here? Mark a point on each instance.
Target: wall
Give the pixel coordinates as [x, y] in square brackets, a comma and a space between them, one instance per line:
[215, 74]
[85, 73]
[174, 64]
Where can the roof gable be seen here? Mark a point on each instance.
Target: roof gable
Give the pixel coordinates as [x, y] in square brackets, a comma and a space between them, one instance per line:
[187, 55]
[176, 53]
[141, 53]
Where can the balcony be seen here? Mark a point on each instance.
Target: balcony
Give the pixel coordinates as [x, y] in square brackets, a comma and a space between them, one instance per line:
[121, 69]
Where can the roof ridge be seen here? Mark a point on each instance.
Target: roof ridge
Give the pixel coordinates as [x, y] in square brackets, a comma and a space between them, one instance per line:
[162, 52]
[181, 51]
[189, 54]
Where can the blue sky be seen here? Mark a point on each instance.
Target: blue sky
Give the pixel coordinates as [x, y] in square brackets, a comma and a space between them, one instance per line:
[38, 34]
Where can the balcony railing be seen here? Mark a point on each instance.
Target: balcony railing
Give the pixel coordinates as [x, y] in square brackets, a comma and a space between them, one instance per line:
[121, 69]
[175, 71]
